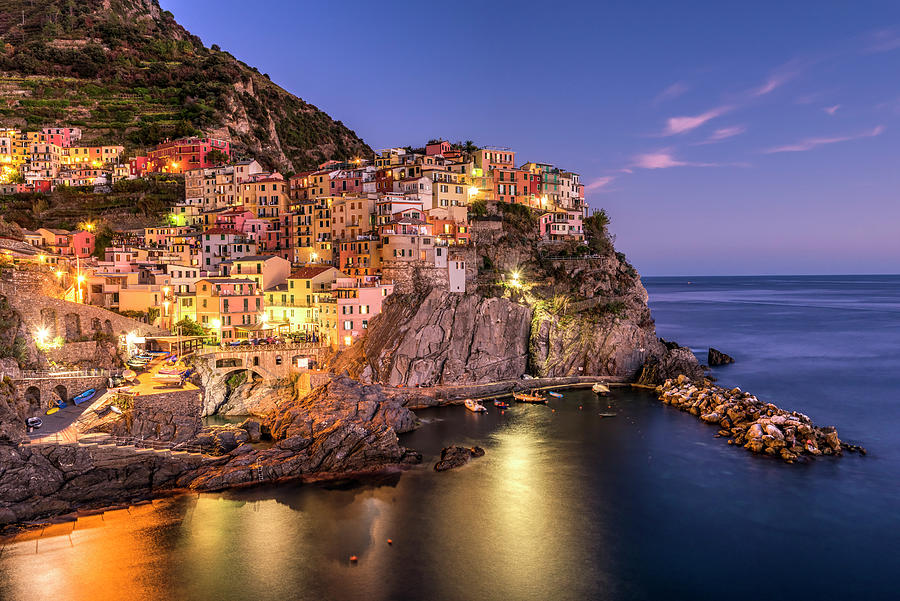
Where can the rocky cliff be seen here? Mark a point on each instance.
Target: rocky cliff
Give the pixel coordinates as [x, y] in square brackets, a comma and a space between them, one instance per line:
[548, 310]
[125, 70]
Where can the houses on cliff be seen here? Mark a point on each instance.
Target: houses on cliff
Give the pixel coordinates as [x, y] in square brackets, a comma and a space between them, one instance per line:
[250, 253]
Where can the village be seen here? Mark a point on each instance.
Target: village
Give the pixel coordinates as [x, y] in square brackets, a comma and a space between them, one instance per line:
[250, 256]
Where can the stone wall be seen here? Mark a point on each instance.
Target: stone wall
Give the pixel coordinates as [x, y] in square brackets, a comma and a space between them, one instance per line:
[73, 321]
[170, 416]
[412, 276]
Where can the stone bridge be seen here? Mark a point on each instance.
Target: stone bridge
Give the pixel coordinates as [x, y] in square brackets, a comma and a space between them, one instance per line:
[270, 362]
[40, 388]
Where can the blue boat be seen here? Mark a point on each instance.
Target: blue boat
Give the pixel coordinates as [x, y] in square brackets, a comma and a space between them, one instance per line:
[84, 396]
[555, 394]
[60, 403]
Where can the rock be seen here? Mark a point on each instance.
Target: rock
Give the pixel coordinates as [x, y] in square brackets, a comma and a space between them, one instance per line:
[253, 428]
[456, 456]
[715, 358]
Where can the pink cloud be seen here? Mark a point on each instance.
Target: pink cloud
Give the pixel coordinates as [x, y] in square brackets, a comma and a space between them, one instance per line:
[811, 143]
[831, 110]
[781, 76]
[657, 160]
[673, 91]
[680, 125]
[723, 133]
[599, 183]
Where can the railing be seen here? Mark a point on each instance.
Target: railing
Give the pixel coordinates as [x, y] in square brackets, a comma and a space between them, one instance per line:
[77, 373]
[258, 348]
[119, 441]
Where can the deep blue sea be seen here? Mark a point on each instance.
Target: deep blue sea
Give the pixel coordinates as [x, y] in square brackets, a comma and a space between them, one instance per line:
[566, 504]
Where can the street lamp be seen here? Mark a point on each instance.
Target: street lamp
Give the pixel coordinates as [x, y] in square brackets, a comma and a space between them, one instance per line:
[217, 324]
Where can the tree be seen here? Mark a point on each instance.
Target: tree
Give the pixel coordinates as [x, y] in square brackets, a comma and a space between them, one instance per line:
[189, 327]
[216, 157]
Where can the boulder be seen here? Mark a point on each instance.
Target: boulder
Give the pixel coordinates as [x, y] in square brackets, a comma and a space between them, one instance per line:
[456, 456]
[715, 358]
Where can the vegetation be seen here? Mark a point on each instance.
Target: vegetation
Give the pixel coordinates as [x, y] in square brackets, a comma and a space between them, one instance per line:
[125, 70]
[596, 232]
[189, 327]
[131, 203]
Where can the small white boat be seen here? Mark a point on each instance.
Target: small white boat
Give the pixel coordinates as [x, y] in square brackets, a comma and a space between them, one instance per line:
[555, 394]
[475, 406]
[600, 388]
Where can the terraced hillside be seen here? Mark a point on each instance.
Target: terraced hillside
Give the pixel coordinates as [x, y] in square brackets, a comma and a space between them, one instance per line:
[126, 70]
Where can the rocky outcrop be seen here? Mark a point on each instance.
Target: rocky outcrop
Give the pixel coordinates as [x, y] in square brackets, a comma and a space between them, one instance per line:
[715, 358]
[341, 428]
[338, 428]
[456, 456]
[757, 426]
[444, 338]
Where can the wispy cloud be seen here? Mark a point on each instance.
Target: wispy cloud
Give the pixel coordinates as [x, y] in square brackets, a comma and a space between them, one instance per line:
[664, 159]
[599, 183]
[810, 143]
[723, 133]
[779, 77]
[831, 110]
[883, 40]
[680, 125]
[673, 91]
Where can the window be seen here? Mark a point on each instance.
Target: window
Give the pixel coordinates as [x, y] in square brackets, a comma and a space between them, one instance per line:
[348, 325]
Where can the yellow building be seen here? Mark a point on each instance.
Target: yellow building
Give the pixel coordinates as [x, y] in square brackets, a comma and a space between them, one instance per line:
[351, 217]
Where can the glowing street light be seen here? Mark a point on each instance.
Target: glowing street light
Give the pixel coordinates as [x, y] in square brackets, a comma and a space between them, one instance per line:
[41, 335]
[263, 318]
[473, 191]
[59, 275]
[42, 258]
[515, 280]
[313, 257]
[166, 291]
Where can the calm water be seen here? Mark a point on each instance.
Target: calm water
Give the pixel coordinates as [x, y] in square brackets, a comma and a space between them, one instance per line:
[565, 505]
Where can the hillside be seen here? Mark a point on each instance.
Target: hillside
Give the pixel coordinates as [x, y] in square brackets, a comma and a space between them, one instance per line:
[125, 70]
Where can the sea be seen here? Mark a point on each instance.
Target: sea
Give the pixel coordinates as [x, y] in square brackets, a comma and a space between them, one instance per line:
[566, 504]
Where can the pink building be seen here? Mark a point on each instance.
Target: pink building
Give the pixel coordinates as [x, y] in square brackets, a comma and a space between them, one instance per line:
[82, 244]
[347, 182]
[357, 304]
[562, 225]
[138, 166]
[61, 136]
[439, 147]
[224, 305]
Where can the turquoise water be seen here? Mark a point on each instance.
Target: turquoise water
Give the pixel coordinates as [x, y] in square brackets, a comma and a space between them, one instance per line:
[565, 504]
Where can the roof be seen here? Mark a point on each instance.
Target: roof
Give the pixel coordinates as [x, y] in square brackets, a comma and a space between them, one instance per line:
[254, 258]
[228, 280]
[222, 230]
[310, 271]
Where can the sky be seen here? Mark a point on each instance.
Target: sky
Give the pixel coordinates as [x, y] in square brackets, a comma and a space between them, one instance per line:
[722, 137]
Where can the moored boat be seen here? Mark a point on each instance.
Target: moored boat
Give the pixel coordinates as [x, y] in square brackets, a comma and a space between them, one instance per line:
[600, 388]
[555, 394]
[501, 404]
[84, 396]
[528, 398]
[475, 406]
[167, 377]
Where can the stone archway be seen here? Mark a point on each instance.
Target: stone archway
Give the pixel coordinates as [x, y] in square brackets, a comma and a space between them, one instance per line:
[61, 392]
[72, 327]
[48, 320]
[33, 395]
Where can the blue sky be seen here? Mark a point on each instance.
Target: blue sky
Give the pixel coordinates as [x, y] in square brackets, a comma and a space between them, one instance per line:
[722, 137]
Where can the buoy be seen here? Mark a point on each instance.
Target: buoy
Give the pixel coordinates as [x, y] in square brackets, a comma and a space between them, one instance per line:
[353, 558]
[390, 542]
[553, 410]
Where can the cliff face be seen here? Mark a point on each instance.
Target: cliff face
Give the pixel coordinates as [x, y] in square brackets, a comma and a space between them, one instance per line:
[573, 311]
[125, 70]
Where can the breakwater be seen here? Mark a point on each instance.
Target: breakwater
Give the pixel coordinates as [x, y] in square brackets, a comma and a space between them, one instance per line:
[758, 426]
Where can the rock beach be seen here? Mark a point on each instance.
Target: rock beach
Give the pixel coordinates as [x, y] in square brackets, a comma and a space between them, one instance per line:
[757, 426]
